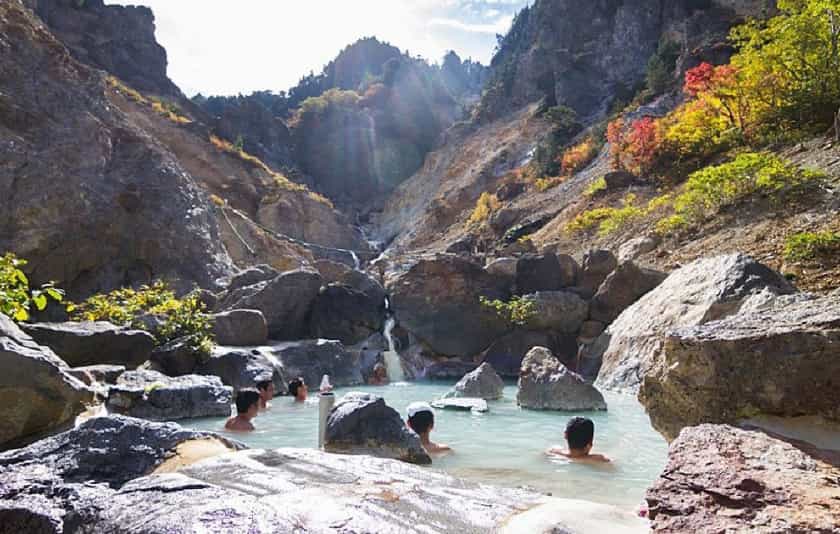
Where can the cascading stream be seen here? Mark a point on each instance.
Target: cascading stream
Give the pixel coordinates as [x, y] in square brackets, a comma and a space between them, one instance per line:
[392, 357]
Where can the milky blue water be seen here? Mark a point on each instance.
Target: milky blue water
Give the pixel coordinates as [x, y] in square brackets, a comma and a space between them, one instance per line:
[504, 446]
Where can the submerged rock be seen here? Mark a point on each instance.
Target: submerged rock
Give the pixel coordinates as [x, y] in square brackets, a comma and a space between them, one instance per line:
[240, 328]
[483, 383]
[157, 397]
[284, 301]
[464, 404]
[732, 480]
[38, 395]
[94, 343]
[782, 359]
[546, 384]
[361, 423]
[703, 291]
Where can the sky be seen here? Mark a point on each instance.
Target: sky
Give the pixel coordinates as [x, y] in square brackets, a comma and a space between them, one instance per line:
[224, 47]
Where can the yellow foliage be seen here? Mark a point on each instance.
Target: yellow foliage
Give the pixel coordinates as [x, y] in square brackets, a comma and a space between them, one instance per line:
[487, 203]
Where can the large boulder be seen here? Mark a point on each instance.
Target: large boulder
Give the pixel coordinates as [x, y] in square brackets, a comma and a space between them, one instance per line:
[544, 272]
[361, 423]
[250, 276]
[483, 383]
[725, 479]
[782, 359]
[157, 397]
[242, 368]
[507, 352]
[546, 384]
[98, 374]
[176, 358]
[284, 301]
[115, 474]
[624, 286]
[702, 291]
[558, 311]
[597, 265]
[312, 359]
[37, 393]
[437, 300]
[240, 328]
[637, 247]
[343, 313]
[94, 343]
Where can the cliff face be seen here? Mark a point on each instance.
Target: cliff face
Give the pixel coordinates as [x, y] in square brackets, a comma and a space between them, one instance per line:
[117, 39]
[585, 54]
[88, 197]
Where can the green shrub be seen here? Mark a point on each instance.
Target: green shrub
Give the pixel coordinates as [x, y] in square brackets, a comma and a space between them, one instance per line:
[517, 311]
[181, 318]
[596, 187]
[16, 297]
[810, 245]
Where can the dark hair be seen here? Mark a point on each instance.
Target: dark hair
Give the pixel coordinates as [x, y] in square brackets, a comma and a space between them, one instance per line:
[294, 385]
[421, 422]
[580, 432]
[245, 398]
[264, 384]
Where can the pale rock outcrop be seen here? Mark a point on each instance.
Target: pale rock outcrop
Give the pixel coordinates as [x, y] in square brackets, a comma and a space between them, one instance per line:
[240, 328]
[546, 384]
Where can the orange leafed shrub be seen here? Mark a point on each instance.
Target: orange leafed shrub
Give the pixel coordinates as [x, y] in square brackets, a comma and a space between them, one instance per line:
[578, 157]
[635, 148]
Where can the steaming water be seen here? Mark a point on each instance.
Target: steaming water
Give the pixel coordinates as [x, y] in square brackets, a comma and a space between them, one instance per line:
[505, 446]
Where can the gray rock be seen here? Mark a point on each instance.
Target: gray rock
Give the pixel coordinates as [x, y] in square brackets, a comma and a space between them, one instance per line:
[94, 343]
[546, 384]
[251, 276]
[543, 272]
[633, 249]
[624, 286]
[702, 291]
[597, 265]
[437, 300]
[780, 360]
[449, 369]
[361, 423]
[364, 283]
[312, 359]
[590, 330]
[102, 374]
[240, 328]
[483, 383]
[462, 404]
[284, 300]
[37, 393]
[619, 180]
[505, 267]
[559, 311]
[507, 352]
[157, 397]
[176, 358]
[242, 368]
[343, 313]
[732, 480]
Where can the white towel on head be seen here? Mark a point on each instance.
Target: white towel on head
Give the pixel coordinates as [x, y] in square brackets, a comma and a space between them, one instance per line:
[416, 407]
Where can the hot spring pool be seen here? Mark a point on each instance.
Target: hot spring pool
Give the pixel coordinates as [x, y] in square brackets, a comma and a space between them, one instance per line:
[504, 446]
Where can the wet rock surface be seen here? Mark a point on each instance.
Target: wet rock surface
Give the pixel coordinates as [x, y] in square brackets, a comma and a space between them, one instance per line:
[724, 479]
[780, 359]
[546, 384]
[362, 423]
[703, 291]
[94, 343]
[240, 328]
[157, 397]
[462, 404]
[483, 383]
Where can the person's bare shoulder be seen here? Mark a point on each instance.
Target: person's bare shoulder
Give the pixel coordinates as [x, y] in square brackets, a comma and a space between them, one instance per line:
[554, 451]
[437, 448]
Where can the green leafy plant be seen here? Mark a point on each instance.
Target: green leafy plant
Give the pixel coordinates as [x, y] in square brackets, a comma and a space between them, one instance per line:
[179, 318]
[596, 187]
[807, 246]
[16, 297]
[518, 310]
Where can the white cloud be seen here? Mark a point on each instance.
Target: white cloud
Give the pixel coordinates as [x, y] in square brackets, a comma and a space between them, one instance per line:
[499, 26]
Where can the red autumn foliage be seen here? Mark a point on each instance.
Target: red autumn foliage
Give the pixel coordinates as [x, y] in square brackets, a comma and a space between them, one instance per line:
[643, 143]
[699, 79]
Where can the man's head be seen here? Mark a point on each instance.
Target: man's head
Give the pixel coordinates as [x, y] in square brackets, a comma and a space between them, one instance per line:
[580, 432]
[421, 418]
[266, 389]
[247, 403]
[298, 389]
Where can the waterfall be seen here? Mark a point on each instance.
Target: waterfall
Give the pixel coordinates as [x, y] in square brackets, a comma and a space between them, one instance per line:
[392, 357]
[356, 263]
